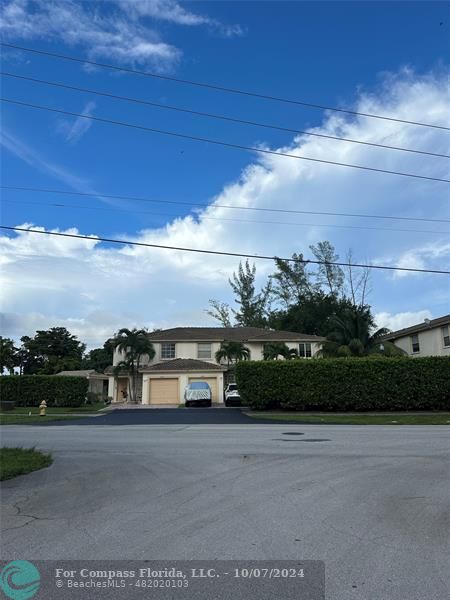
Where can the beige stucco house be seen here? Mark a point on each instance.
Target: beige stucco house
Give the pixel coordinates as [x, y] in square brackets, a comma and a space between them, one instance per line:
[430, 338]
[187, 354]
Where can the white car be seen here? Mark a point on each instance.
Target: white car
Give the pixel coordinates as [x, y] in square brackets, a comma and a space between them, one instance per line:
[198, 392]
[232, 396]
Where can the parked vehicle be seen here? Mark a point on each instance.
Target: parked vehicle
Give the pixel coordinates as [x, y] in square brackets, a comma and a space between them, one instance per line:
[198, 392]
[232, 396]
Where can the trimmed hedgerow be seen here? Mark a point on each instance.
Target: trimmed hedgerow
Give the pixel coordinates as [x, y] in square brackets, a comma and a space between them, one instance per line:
[346, 384]
[30, 390]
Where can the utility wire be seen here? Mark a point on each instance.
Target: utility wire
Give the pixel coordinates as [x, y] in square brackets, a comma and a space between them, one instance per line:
[218, 87]
[221, 253]
[226, 219]
[219, 142]
[216, 116]
[214, 205]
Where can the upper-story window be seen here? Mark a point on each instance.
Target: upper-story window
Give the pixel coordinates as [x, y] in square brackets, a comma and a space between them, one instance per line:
[304, 350]
[446, 336]
[204, 350]
[415, 346]
[168, 350]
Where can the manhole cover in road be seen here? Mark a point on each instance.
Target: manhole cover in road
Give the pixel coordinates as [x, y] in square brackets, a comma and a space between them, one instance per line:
[293, 433]
[302, 440]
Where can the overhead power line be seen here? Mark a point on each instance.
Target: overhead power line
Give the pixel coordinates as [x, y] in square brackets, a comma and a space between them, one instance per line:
[219, 88]
[209, 115]
[226, 219]
[215, 205]
[221, 253]
[220, 142]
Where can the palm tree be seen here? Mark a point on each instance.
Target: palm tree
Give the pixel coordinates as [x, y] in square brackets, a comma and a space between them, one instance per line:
[232, 352]
[273, 350]
[133, 344]
[353, 334]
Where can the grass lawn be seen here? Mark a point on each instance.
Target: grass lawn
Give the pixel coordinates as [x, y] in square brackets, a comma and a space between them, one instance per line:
[18, 461]
[405, 418]
[57, 409]
[20, 415]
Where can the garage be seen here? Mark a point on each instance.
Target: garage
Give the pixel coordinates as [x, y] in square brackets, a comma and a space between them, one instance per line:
[164, 391]
[211, 381]
[166, 381]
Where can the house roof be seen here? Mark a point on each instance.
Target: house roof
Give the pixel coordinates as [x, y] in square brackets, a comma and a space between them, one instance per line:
[424, 326]
[230, 334]
[183, 364]
[80, 373]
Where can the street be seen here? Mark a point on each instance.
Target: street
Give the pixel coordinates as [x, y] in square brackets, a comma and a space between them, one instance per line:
[372, 502]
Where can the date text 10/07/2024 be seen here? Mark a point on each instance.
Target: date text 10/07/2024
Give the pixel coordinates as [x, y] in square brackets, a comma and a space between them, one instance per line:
[195, 573]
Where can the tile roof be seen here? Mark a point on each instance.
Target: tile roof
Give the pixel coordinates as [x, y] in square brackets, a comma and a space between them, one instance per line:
[229, 334]
[424, 326]
[80, 373]
[183, 364]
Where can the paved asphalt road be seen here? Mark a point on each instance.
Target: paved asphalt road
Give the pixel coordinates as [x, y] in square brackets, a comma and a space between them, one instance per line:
[372, 502]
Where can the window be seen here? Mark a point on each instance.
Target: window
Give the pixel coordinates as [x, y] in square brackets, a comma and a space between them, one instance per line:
[446, 336]
[304, 350]
[168, 350]
[415, 343]
[204, 350]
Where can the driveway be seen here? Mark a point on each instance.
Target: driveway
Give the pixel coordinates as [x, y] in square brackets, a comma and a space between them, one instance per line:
[372, 502]
[165, 416]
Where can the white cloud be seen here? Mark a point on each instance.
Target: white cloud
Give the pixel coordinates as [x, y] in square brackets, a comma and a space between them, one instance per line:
[107, 34]
[165, 10]
[398, 321]
[421, 257]
[74, 130]
[117, 31]
[174, 12]
[34, 158]
[162, 288]
[93, 329]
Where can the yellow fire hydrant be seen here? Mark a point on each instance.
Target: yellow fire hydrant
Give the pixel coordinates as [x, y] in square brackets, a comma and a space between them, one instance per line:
[42, 408]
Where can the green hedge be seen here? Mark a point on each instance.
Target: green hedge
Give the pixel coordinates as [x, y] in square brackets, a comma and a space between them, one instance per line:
[30, 390]
[346, 384]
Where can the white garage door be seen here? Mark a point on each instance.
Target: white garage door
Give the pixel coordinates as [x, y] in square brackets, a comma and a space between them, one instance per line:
[164, 391]
[211, 381]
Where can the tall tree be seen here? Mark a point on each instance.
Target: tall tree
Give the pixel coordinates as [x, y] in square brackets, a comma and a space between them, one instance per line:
[357, 282]
[8, 355]
[99, 358]
[311, 315]
[221, 312]
[253, 306]
[292, 281]
[328, 275]
[133, 344]
[51, 351]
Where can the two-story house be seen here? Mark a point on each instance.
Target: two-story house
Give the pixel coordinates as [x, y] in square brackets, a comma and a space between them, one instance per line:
[429, 338]
[187, 354]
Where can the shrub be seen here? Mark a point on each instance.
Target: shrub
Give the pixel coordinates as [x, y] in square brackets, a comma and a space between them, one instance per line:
[347, 384]
[30, 390]
[6, 405]
[93, 397]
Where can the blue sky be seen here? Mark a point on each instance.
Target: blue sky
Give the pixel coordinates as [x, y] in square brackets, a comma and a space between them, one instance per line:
[386, 57]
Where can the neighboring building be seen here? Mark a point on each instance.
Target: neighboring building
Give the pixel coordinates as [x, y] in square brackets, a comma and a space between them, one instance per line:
[187, 354]
[430, 338]
[98, 382]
